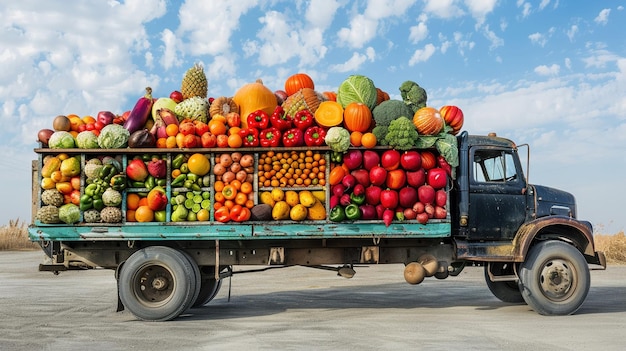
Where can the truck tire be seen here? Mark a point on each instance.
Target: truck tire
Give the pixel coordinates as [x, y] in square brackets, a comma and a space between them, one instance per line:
[158, 283]
[506, 291]
[554, 279]
[209, 287]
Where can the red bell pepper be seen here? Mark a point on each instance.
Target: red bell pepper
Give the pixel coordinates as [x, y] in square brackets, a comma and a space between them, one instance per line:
[280, 119]
[222, 214]
[269, 137]
[249, 136]
[239, 213]
[293, 137]
[258, 120]
[303, 119]
[314, 136]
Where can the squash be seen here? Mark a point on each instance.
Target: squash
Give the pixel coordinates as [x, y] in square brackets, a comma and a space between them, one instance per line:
[357, 117]
[298, 81]
[428, 121]
[329, 114]
[252, 97]
[317, 211]
[330, 95]
[381, 96]
[223, 105]
[453, 116]
[336, 175]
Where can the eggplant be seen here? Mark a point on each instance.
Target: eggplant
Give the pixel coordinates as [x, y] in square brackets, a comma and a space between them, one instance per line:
[141, 138]
[139, 114]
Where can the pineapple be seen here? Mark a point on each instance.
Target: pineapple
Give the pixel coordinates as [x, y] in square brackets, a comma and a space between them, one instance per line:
[194, 82]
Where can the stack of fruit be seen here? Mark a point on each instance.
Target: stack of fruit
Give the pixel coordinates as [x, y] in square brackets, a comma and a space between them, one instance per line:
[102, 195]
[295, 205]
[60, 186]
[147, 180]
[234, 187]
[389, 186]
[291, 169]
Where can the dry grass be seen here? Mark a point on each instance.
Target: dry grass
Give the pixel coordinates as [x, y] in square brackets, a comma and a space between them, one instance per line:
[14, 236]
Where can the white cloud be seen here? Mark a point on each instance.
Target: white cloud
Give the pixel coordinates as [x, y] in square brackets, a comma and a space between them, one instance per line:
[599, 58]
[538, 38]
[169, 58]
[418, 32]
[551, 70]
[603, 17]
[320, 13]
[422, 55]
[362, 29]
[568, 63]
[354, 62]
[571, 33]
[543, 4]
[493, 38]
[443, 8]
[526, 8]
[479, 9]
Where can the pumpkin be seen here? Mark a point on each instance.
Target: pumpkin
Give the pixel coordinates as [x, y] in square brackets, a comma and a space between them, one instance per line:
[453, 116]
[222, 106]
[428, 121]
[357, 117]
[428, 160]
[297, 82]
[329, 114]
[381, 96]
[252, 97]
[330, 95]
[305, 98]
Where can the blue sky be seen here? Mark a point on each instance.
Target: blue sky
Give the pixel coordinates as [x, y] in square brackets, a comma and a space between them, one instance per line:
[548, 73]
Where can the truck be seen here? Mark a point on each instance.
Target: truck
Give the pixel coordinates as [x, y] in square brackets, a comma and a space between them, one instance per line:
[528, 238]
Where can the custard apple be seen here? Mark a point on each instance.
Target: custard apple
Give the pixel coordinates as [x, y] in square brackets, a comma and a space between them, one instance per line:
[111, 214]
[48, 214]
[52, 197]
[194, 108]
[91, 216]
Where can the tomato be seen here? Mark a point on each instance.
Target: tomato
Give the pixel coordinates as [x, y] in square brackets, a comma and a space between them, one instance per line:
[222, 214]
[239, 213]
[98, 125]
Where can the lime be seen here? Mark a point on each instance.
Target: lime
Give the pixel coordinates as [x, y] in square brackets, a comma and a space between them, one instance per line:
[197, 199]
[195, 208]
[205, 204]
[189, 203]
[206, 194]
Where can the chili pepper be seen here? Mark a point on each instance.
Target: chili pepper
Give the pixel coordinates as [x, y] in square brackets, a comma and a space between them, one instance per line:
[336, 157]
[314, 136]
[303, 119]
[280, 119]
[222, 214]
[229, 192]
[357, 199]
[150, 182]
[86, 202]
[118, 182]
[269, 137]
[178, 161]
[293, 137]
[353, 212]
[179, 180]
[239, 213]
[258, 120]
[337, 214]
[249, 136]
[107, 172]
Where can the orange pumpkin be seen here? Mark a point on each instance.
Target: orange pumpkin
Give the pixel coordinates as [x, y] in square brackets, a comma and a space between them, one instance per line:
[357, 117]
[297, 82]
[330, 95]
[381, 96]
[252, 97]
[428, 121]
[453, 116]
[329, 114]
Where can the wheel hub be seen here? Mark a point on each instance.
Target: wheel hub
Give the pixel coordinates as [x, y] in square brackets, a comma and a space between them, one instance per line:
[556, 279]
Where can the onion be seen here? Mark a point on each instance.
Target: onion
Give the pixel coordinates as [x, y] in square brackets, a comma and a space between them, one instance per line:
[246, 161]
[236, 156]
[226, 160]
[241, 176]
[44, 135]
[235, 167]
[228, 177]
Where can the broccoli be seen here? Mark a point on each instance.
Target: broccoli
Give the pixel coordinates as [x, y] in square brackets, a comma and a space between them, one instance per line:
[389, 110]
[401, 134]
[380, 132]
[413, 95]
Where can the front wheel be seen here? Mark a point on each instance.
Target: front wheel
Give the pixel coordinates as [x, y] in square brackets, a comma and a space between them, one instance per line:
[158, 283]
[554, 279]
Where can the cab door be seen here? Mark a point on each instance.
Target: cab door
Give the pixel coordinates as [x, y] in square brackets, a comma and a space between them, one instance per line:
[497, 201]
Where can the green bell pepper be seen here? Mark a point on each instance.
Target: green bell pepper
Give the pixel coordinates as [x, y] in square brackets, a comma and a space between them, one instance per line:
[86, 202]
[357, 199]
[353, 212]
[118, 182]
[98, 204]
[337, 214]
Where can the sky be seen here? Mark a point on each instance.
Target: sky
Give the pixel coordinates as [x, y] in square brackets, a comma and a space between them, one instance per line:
[548, 73]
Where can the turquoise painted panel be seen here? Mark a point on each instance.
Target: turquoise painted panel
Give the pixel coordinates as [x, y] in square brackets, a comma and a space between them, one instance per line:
[353, 230]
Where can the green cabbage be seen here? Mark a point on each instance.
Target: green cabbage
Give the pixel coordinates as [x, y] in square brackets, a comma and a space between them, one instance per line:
[61, 140]
[69, 213]
[113, 136]
[357, 88]
[87, 140]
[338, 138]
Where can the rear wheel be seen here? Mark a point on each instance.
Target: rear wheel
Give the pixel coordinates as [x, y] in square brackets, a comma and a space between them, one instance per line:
[158, 283]
[506, 291]
[554, 279]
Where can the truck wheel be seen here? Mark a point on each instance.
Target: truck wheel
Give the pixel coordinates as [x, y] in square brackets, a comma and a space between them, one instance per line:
[209, 287]
[506, 291]
[554, 279]
[158, 283]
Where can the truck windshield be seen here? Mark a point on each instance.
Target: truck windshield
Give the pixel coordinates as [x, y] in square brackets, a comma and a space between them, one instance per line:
[494, 166]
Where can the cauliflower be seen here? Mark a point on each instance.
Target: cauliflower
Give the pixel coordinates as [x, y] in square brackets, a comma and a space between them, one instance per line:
[401, 134]
[413, 95]
[87, 140]
[338, 138]
[389, 110]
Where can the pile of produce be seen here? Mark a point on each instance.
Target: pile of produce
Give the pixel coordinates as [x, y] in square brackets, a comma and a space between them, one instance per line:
[295, 143]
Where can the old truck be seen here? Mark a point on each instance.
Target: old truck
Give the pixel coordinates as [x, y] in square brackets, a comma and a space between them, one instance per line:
[527, 237]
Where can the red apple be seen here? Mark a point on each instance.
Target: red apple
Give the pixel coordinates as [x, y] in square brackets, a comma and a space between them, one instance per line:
[441, 198]
[409, 214]
[440, 212]
[378, 175]
[416, 178]
[422, 217]
[362, 176]
[370, 159]
[372, 195]
[396, 179]
[137, 170]
[389, 198]
[437, 178]
[177, 96]
[407, 197]
[411, 160]
[390, 160]
[418, 207]
[426, 194]
[157, 199]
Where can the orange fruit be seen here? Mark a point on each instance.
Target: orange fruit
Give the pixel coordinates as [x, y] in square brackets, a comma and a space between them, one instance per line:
[161, 143]
[355, 138]
[235, 141]
[217, 127]
[142, 202]
[144, 214]
[218, 117]
[130, 216]
[171, 129]
[241, 198]
[74, 133]
[89, 119]
[170, 142]
[246, 187]
[219, 186]
[233, 130]
[132, 201]
[199, 164]
[236, 184]
[368, 140]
